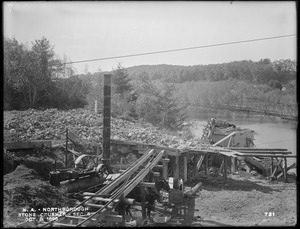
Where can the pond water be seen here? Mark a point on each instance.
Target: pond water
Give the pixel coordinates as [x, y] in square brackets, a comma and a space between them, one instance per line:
[269, 132]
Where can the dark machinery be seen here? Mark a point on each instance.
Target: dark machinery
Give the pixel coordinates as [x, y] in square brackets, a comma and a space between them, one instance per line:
[86, 174]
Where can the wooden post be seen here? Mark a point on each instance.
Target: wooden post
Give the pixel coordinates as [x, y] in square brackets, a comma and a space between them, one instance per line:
[272, 165]
[195, 169]
[206, 164]
[225, 167]
[121, 162]
[165, 169]
[143, 200]
[66, 157]
[184, 168]
[106, 121]
[233, 164]
[176, 168]
[285, 171]
[123, 211]
[273, 174]
[96, 106]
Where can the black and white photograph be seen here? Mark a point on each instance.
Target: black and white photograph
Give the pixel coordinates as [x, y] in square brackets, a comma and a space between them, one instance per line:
[149, 114]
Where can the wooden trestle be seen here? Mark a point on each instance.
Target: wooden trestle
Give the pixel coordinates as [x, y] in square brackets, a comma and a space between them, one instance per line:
[179, 158]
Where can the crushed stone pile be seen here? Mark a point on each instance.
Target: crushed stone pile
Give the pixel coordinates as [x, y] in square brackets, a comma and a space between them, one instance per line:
[24, 187]
[51, 124]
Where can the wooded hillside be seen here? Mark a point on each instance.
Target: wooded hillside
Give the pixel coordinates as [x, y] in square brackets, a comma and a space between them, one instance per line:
[161, 94]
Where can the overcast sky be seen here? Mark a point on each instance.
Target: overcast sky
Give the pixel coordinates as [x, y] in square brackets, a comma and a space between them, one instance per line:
[91, 30]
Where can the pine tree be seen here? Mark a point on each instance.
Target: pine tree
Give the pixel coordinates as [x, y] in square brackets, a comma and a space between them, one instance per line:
[121, 80]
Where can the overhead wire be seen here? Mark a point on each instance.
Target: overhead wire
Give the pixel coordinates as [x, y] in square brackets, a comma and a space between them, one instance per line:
[180, 49]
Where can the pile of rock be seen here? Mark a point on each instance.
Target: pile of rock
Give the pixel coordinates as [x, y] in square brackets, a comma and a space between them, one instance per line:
[51, 124]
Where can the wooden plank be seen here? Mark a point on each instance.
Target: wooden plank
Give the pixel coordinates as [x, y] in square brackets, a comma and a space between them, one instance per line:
[93, 194]
[156, 174]
[76, 153]
[230, 139]
[229, 154]
[165, 160]
[200, 161]
[146, 184]
[75, 217]
[223, 139]
[73, 137]
[27, 145]
[255, 149]
[195, 168]
[100, 199]
[93, 205]
[158, 166]
[265, 155]
[64, 224]
[264, 151]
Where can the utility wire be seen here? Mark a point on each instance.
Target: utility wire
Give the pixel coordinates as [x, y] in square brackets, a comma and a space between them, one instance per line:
[180, 49]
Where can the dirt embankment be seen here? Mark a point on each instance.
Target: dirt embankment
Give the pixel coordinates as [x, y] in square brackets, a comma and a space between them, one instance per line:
[24, 189]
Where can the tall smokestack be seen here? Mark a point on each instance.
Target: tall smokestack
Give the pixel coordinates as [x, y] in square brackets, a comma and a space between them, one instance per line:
[106, 121]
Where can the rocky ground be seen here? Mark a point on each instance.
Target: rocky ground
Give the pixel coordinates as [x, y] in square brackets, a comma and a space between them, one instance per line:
[242, 200]
[51, 124]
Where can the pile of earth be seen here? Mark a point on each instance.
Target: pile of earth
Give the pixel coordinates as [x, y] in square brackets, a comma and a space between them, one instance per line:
[25, 189]
[51, 124]
[42, 160]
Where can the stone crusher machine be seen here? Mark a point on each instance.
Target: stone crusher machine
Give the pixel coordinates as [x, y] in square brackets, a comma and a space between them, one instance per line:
[87, 174]
[79, 179]
[217, 129]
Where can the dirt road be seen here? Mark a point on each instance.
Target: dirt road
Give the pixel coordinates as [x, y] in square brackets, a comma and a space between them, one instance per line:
[239, 201]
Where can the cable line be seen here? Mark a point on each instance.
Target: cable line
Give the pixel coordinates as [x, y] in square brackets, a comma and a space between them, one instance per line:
[180, 49]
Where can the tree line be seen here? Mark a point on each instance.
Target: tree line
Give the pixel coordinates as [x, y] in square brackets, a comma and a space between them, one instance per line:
[34, 77]
[276, 73]
[239, 95]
